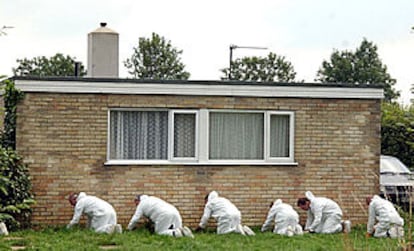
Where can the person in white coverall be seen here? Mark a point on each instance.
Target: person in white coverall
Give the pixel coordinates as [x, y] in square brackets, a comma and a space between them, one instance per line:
[389, 222]
[285, 218]
[166, 218]
[226, 214]
[323, 215]
[101, 215]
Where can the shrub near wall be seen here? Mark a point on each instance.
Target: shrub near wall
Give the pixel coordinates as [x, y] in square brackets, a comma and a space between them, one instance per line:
[15, 184]
[16, 197]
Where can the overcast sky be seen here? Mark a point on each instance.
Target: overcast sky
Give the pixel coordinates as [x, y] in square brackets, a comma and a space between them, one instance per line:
[306, 32]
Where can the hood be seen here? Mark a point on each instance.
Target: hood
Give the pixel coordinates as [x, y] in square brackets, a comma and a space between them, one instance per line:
[277, 202]
[212, 195]
[376, 197]
[392, 165]
[80, 196]
[143, 197]
[309, 195]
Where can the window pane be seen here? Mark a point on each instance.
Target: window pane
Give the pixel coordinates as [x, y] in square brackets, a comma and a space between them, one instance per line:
[184, 135]
[236, 135]
[279, 136]
[138, 135]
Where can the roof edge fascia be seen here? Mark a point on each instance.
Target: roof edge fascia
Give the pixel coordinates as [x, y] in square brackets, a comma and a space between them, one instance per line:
[199, 88]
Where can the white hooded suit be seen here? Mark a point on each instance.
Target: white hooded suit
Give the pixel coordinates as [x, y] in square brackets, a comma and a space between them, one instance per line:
[285, 218]
[101, 215]
[384, 212]
[324, 215]
[165, 216]
[226, 214]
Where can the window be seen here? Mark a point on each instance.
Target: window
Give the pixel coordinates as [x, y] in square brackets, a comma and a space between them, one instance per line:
[139, 135]
[279, 135]
[236, 135]
[200, 136]
[184, 133]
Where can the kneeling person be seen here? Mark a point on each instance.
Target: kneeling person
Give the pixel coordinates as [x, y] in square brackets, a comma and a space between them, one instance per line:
[166, 218]
[285, 218]
[226, 213]
[101, 215]
[389, 222]
[324, 215]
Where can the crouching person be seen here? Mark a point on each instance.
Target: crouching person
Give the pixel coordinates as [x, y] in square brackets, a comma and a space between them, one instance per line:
[226, 214]
[101, 215]
[285, 219]
[323, 215]
[388, 221]
[166, 218]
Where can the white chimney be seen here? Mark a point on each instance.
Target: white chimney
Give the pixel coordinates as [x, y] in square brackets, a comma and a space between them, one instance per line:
[103, 53]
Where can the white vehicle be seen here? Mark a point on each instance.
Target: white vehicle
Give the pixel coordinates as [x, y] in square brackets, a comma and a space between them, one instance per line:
[396, 182]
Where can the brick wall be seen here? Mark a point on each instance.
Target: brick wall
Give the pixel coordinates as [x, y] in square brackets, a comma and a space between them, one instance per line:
[63, 139]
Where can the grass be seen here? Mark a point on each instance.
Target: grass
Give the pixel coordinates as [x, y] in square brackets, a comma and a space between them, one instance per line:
[81, 239]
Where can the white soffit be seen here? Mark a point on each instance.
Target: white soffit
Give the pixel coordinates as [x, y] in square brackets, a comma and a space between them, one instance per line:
[199, 89]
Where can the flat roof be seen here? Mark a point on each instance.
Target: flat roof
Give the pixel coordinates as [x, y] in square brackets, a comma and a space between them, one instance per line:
[198, 87]
[197, 82]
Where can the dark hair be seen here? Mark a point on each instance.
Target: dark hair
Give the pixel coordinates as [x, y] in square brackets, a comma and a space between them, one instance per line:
[138, 197]
[72, 196]
[206, 197]
[302, 201]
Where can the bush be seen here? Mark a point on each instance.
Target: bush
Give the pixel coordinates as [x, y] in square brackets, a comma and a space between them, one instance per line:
[15, 184]
[15, 187]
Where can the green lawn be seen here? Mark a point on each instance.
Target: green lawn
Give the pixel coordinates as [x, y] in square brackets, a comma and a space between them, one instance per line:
[80, 239]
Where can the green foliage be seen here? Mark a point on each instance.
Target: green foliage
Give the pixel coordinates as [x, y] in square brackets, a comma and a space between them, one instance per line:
[15, 184]
[397, 132]
[58, 65]
[156, 58]
[15, 195]
[272, 68]
[11, 97]
[360, 67]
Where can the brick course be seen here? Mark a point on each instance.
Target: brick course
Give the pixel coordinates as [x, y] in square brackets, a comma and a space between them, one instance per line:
[63, 138]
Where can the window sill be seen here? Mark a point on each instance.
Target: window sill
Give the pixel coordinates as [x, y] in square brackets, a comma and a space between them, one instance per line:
[196, 163]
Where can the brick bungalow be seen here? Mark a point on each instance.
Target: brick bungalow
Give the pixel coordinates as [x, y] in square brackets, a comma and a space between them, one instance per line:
[252, 142]
[178, 140]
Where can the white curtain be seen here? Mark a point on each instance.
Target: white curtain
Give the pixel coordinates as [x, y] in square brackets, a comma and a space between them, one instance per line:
[279, 136]
[138, 135]
[184, 135]
[236, 135]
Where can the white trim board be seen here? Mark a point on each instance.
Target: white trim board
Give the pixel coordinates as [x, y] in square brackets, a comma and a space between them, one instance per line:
[224, 89]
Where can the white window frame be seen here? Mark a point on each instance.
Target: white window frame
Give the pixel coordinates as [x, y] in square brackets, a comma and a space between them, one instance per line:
[171, 136]
[202, 140]
[290, 158]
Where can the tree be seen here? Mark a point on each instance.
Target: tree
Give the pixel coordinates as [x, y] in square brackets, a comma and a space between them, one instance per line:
[156, 58]
[58, 65]
[272, 68]
[397, 132]
[360, 67]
